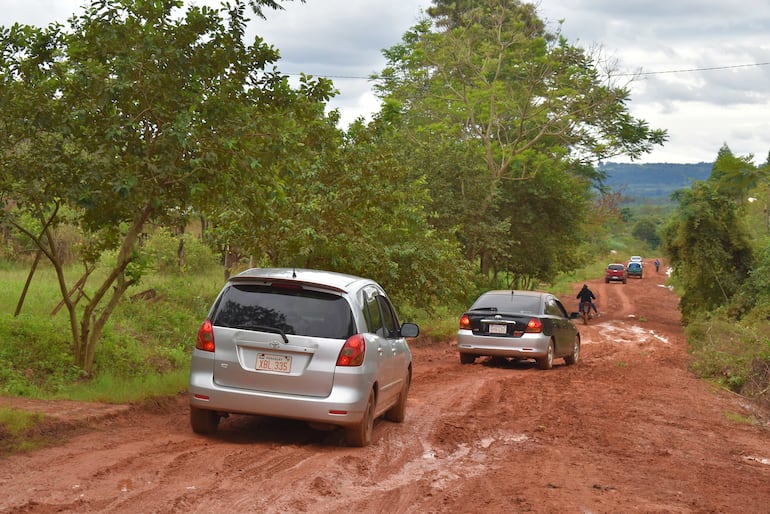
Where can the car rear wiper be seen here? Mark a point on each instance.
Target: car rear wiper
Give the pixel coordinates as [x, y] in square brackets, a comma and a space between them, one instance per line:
[263, 328]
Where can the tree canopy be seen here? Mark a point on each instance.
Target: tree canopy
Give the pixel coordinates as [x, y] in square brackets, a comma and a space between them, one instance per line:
[488, 99]
[145, 113]
[133, 114]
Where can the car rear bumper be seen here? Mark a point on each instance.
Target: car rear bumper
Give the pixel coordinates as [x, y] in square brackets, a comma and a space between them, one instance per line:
[344, 406]
[528, 346]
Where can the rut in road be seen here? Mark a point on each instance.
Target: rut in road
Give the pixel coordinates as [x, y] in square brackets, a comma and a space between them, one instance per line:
[627, 429]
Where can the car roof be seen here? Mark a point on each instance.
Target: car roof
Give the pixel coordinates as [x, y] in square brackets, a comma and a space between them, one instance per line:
[328, 279]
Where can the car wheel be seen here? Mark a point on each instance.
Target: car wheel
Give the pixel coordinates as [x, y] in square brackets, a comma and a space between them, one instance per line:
[625, 281]
[361, 434]
[397, 413]
[467, 358]
[203, 421]
[547, 361]
[575, 355]
[606, 281]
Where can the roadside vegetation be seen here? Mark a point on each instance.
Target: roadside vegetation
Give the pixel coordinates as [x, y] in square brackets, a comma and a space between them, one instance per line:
[718, 242]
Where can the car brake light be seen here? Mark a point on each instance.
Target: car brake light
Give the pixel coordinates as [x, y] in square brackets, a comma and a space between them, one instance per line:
[534, 326]
[205, 339]
[465, 322]
[353, 351]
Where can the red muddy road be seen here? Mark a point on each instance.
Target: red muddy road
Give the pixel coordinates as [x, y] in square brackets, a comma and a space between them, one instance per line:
[628, 429]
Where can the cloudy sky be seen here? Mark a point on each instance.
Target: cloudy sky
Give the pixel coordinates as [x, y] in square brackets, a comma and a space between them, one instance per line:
[704, 64]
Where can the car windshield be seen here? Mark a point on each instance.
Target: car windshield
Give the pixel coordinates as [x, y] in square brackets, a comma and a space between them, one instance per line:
[293, 311]
[507, 302]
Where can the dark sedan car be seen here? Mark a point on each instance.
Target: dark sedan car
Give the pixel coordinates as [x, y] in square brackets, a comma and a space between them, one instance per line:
[518, 324]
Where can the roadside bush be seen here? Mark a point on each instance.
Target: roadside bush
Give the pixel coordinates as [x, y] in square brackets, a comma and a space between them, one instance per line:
[147, 341]
[734, 354]
[163, 250]
[35, 357]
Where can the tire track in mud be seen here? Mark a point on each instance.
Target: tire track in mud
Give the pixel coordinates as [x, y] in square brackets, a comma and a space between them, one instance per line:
[627, 429]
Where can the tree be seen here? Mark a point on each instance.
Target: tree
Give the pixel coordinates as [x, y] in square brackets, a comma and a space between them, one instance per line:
[493, 99]
[735, 176]
[646, 229]
[132, 115]
[708, 248]
[348, 204]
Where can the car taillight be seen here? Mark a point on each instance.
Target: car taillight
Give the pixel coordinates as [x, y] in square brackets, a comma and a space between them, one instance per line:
[205, 339]
[465, 322]
[353, 351]
[534, 326]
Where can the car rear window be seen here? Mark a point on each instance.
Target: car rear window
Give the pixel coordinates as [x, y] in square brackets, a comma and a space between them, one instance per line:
[616, 267]
[508, 303]
[294, 311]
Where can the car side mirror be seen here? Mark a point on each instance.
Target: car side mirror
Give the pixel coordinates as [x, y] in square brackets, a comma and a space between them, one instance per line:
[410, 330]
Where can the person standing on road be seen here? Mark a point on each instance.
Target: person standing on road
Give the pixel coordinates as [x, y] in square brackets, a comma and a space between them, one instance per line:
[657, 265]
[586, 295]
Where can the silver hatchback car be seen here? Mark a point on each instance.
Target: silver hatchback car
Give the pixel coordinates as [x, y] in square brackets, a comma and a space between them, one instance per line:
[520, 325]
[318, 346]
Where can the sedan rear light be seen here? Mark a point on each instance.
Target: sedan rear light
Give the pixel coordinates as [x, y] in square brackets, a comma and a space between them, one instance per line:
[353, 351]
[534, 326]
[205, 339]
[465, 322]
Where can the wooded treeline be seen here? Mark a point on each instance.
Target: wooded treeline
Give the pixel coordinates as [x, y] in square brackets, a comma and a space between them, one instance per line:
[479, 168]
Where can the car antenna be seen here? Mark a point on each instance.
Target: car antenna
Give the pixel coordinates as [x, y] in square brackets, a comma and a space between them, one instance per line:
[294, 270]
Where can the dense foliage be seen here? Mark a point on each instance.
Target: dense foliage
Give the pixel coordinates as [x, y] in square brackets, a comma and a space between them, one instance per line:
[718, 242]
[142, 119]
[504, 120]
[133, 116]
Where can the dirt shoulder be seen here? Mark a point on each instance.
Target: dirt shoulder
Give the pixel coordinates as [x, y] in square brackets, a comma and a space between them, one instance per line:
[628, 429]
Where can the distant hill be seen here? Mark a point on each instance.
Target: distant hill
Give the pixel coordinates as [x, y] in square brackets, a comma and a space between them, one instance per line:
[653, 182]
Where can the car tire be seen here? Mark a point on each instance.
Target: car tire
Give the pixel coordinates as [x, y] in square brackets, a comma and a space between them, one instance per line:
[606, 281]
[467, 358]
[397, 413]
[547, 361]
[203, 421]
[360, 435]
[625, 281]
[574, 357]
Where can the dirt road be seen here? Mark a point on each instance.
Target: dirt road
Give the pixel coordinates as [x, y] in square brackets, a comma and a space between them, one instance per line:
[628, 429]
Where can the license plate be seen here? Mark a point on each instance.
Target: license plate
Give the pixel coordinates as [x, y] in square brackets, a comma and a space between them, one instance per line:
[270, 362]
[498, 329]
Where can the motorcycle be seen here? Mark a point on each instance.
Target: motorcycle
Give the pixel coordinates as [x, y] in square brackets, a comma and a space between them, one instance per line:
[585, 312]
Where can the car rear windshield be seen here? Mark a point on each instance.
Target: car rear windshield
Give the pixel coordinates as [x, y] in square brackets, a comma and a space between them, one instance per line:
[509, 303]
[616, 267]
[293, 311]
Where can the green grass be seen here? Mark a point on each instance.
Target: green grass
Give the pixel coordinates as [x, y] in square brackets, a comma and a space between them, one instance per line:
[107, 388]
[16, 430]
[144, 351]
[740, 418]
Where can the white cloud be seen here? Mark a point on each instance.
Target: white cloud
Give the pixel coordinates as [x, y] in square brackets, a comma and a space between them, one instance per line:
[721, 102]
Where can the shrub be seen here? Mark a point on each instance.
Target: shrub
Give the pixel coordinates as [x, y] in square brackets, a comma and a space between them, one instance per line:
[736, 355]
